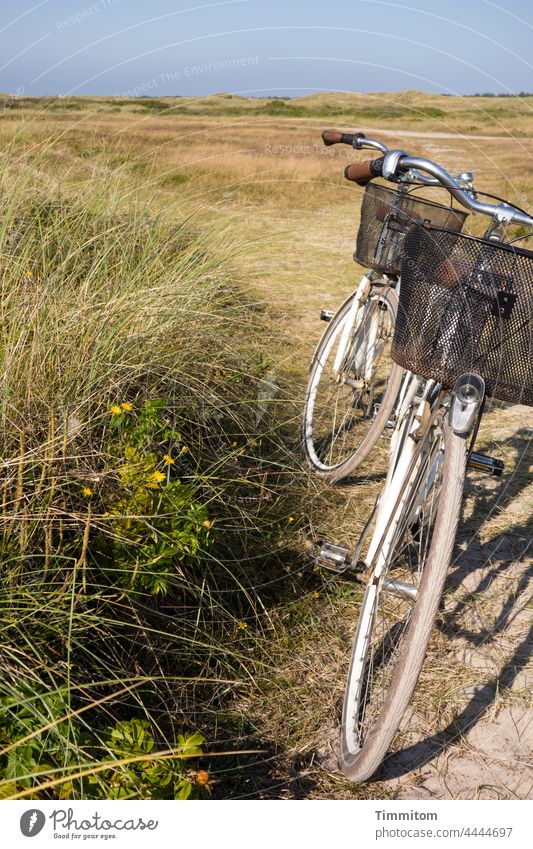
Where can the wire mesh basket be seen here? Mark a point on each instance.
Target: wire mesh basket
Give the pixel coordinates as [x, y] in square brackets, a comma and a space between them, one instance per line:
[466, 304]
[386, 215]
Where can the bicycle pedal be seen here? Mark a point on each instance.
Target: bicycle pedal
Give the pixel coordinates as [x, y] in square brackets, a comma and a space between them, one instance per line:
[484, 463]
[333, 557]
[326, 315]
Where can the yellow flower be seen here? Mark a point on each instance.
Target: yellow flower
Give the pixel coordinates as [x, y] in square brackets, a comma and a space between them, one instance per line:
[116, 410]
[291, 519]
[167, 459]
[242, 625]
[316, 595]
[155, 479]
[184, 450]
[233, 444]
[127, 407]
[87, 491]
[207, 523]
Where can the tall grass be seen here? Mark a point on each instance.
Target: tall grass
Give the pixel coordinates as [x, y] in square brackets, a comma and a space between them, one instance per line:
[134, 488]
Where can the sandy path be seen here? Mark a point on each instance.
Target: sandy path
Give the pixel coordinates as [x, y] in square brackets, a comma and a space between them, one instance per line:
[435, 135]
[481, 744]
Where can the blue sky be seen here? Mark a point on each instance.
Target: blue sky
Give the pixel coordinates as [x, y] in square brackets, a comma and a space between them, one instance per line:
[192, 47]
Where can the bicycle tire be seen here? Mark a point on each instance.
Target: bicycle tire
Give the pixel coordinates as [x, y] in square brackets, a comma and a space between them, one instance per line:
[359, 764]
[366, 438]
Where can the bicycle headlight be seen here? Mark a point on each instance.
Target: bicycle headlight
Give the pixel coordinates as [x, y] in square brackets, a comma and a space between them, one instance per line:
[467, 397]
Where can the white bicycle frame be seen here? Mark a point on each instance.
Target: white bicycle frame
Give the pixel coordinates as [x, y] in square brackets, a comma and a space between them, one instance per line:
[402, 466]
[364, 357]
[361, 296]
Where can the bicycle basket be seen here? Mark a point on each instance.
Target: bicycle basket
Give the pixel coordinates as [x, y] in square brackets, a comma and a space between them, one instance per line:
[386, 215]
[466, 304]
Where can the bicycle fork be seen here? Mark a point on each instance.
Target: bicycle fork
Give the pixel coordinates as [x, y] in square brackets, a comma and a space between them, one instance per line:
[410, 450]
[360, 299]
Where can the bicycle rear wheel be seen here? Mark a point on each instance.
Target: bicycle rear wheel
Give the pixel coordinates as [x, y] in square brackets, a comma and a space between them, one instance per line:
[347, 409]
[393, 631]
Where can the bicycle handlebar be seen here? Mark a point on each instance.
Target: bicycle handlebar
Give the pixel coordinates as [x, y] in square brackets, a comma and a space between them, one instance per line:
[504, 212]
[362, 172]
[336, 137]
[356, 140]
[360, 141]
[399, 166]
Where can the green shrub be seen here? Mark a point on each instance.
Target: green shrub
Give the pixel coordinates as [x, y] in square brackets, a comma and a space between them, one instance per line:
[157, 520]
[121, 762]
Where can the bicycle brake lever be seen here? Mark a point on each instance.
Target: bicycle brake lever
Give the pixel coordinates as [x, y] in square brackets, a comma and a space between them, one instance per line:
[391, 162]
[357, 141]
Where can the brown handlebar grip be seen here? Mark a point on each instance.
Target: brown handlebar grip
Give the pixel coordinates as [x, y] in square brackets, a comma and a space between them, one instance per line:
[331, 137]
[360, 172]
[336, 137]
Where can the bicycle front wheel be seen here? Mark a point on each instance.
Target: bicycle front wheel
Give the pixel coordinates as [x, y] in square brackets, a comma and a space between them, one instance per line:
[351, 392]
[394, 628]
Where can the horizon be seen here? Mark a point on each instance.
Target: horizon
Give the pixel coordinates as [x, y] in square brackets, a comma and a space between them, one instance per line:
[520, 94]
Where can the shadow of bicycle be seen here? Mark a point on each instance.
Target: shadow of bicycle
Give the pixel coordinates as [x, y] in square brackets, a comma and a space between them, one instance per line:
[477, 570]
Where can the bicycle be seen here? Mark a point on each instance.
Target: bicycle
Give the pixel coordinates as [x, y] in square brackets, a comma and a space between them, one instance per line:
[463, 333]
[352, 387]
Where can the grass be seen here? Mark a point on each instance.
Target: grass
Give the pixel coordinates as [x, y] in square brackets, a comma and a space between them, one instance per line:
[413, 106]
[128, 422]
[173, 256]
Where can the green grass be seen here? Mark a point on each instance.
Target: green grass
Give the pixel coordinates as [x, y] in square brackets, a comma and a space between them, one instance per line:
[139, 495]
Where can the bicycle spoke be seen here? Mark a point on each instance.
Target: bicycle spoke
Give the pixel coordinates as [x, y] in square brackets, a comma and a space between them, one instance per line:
[342, 404]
